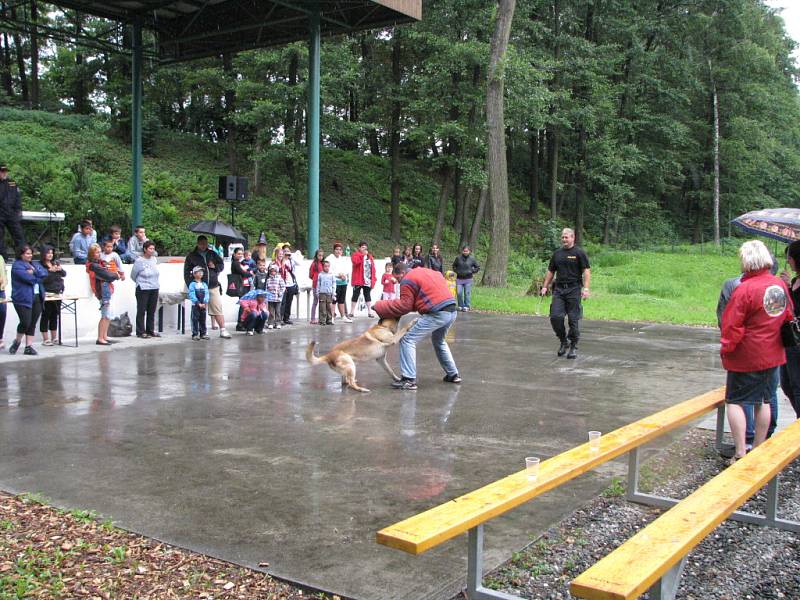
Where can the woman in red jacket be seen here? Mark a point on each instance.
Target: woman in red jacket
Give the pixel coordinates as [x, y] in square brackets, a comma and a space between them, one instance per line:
[363, 278]
[751, 347]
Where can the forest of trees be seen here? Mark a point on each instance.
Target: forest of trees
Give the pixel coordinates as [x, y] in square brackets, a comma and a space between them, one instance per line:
[656, 118]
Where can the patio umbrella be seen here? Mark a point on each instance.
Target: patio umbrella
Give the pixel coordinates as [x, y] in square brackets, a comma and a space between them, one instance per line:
[782, 224]
[217, 228]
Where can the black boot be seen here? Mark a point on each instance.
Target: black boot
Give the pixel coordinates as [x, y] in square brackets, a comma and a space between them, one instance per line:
[562, 350]
[573, 351]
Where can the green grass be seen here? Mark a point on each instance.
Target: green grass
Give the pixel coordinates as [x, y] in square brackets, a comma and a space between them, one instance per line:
[679, 288]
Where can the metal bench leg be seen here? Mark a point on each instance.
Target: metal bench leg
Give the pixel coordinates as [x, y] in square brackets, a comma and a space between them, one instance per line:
[475, 589]
[632, 491]
[667, 587]
[720, 427]
[772, 502]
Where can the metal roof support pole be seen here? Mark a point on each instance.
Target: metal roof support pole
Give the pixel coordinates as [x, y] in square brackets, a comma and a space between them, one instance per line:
[313, 134]
[136, 123]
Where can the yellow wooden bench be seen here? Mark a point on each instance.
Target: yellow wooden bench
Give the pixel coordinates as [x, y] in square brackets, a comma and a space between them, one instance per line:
[653, 559]
[469, 512]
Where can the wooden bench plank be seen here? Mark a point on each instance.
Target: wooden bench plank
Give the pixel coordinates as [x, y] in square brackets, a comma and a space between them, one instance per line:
[634, 567]
[426, 530]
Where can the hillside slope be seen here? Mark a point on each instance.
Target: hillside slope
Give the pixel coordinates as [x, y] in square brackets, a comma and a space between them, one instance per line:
[71, 164]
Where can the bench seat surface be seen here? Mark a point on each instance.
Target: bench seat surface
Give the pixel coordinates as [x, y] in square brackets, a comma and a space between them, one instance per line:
[636, 565]
[428, 529]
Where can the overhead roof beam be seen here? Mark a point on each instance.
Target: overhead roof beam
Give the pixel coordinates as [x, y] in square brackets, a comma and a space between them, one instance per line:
[197, 13]
[309, 13]
[239, 29]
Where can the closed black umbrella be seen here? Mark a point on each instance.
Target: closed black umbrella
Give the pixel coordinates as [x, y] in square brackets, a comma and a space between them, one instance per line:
[218, 229]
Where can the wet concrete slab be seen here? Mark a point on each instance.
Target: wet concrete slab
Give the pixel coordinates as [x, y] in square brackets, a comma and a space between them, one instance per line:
[242, 450]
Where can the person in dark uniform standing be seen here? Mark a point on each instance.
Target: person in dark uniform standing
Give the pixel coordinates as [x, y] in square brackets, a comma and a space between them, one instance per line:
[570, 268]
[10, 211]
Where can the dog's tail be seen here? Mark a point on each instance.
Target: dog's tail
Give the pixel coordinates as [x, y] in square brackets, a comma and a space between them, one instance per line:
[310, 357]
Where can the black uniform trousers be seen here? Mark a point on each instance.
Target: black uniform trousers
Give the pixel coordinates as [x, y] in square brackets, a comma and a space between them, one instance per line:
[566, 303]
[14, 226]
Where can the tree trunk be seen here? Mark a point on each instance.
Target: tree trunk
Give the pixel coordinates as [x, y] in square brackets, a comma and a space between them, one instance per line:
[479, 214]
[715, 102]
[533, 141]
[567, 188]
[80, 96]
[20, 51]
[444, 196]
[395, 139]
[458, 198]
[464, 225]
[556, 138]
[34, 56]
[580, 186]
[554, 175]
[5, 60]
[290, 121]
[497, 260]
[230, 113]
[257, 165]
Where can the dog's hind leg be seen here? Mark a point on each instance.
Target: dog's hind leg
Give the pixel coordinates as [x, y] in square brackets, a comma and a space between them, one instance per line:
[385, 364]
[348, 370]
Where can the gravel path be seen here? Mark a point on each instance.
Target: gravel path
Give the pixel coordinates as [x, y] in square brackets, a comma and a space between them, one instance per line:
[735, 561]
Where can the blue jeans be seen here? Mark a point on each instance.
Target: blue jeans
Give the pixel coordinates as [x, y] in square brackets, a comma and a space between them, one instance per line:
[464, 292]
[198, 320]
[749, 414]
[436, 325]
[255, 321]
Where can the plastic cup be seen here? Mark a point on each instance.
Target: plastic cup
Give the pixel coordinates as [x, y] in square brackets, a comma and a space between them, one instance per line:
[594, 441]
[532, 467]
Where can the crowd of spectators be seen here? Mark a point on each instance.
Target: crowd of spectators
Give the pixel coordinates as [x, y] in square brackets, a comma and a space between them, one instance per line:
[264, 282]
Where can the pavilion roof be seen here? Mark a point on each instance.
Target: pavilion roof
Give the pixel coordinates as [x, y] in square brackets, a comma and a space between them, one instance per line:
[189, 29]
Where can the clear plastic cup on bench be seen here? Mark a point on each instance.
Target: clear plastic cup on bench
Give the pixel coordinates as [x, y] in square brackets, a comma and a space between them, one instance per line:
[594, 441]
[532, 467]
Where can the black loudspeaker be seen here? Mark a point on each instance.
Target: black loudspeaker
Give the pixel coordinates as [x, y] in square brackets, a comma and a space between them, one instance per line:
[241, 188]
[232, 188]
[227, 188]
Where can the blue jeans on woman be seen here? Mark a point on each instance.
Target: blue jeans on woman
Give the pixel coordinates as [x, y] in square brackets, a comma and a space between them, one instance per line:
[436, 325]
[749, 413]
[464, 292]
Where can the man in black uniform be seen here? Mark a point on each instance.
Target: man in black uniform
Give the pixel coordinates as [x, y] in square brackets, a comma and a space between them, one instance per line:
[570, 267]
[10, 211]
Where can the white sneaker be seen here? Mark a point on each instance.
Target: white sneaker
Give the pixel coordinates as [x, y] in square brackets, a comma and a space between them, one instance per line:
[249, 333]
[277, 326]
[347, 320]
[223, 333]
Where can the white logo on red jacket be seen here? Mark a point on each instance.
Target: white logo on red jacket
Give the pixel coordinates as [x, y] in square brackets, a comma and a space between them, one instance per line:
[774, 301]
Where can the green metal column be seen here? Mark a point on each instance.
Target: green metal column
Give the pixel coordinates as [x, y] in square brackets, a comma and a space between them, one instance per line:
[136, 124]
[313, 136]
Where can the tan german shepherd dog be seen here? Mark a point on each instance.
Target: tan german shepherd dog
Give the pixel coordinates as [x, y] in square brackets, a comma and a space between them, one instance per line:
[370, 345]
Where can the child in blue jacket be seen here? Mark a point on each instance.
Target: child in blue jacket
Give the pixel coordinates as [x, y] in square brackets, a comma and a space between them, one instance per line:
[198, 294]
